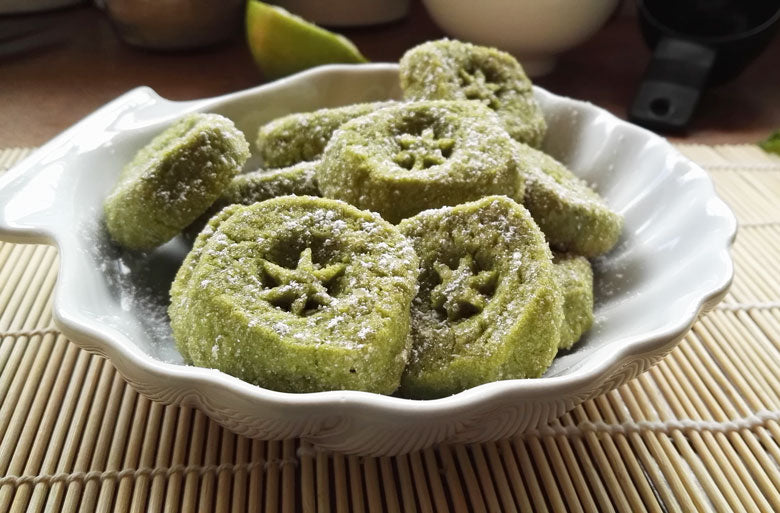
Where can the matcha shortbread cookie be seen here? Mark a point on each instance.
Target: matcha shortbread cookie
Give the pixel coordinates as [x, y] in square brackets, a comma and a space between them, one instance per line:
[575, 278]
[403, 159]
[572, 215]
[302, 136]
[245, 189]
[298, 294]
[173, 180]
[299, 179]
[488, 307]
[453, 70]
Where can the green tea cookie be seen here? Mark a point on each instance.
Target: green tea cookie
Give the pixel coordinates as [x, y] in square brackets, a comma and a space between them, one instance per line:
[575, 278]
[403, 159]
[297, 294]
[173, 180]
[572, 215]
[298, 137]
[453, 70]
[245, 189]
[299, 179]
[488, 307]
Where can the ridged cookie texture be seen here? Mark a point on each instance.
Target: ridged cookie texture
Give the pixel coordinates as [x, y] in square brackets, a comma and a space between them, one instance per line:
[413, 156]
[173, 180]
[454, 70]
[489, 307]
[297, 294]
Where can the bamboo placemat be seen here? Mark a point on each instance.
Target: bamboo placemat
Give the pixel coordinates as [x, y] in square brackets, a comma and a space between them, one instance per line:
[698, 432]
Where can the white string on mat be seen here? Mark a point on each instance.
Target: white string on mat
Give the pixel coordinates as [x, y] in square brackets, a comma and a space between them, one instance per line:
[42, 332]
[741, 167]
[738, 307]
[757, 419]
[758, 224]
[116, 475]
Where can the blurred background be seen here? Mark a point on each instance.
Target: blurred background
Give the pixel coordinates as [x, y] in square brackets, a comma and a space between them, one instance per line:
[62, 59]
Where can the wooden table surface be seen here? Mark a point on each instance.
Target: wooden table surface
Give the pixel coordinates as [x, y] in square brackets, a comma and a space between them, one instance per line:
[80, 64]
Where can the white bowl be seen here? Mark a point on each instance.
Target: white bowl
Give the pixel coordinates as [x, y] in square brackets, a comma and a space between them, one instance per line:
[534, 31]
[671, 263]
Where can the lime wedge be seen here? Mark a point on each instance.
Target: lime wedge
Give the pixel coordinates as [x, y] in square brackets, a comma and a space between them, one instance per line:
[283, 43]
[772, 143]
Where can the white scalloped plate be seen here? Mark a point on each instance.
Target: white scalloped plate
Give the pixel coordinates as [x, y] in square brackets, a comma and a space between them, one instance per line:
[671, 264]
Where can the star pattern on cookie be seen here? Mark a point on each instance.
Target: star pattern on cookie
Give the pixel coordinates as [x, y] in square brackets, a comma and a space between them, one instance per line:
[423, 151]
[303, 289]
[476, 86]
[462, 293]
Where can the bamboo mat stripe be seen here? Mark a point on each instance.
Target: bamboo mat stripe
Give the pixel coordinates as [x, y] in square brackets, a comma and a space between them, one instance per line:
[697, 432]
